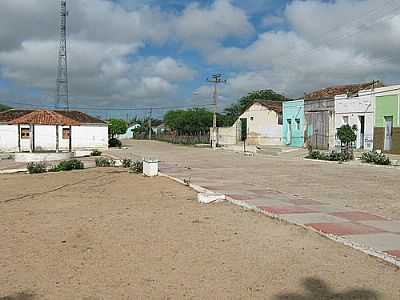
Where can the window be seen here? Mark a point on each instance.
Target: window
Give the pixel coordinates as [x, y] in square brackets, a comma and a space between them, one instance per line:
[346, 120]
[298, 124]
[25, 133]
[66, 133]
[252, 118]
[280, 119]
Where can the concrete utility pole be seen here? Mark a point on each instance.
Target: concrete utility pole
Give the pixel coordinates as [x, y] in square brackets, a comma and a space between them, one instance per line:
[216, 79]
[151, 113]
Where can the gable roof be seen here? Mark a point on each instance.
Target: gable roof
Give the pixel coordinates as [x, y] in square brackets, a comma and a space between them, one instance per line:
[331, 92]
[47, 117]
[276, 106]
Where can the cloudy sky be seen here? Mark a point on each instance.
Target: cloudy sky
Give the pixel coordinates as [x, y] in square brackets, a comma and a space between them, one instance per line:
[141, 53]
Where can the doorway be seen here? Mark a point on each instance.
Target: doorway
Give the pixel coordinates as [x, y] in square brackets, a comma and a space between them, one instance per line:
[289, 132]
[243, 129]
[362, 131]
[388, 133]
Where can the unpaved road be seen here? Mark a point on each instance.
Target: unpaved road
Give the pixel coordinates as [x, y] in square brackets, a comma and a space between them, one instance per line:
[107, 234]
[370, 188]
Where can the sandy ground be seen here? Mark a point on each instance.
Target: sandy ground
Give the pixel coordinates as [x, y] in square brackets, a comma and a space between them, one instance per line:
[370, 188]
[108, 234]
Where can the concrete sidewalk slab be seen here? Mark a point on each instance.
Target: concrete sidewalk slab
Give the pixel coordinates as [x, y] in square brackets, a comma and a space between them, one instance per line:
[308, 218]
[357, 216]
[389, 226]
[380, 241]
[344, 229]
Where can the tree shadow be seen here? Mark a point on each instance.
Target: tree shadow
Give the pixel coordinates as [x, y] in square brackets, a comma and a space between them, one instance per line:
[317, 289]
[19, 296]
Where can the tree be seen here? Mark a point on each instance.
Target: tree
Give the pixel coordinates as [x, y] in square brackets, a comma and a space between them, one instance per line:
[233, 112]
[347, 136]
[117, 126]
[4, 107]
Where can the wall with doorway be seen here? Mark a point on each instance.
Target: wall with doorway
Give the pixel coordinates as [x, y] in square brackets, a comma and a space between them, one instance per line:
[293, 123]
[387, 123]
[359, 111]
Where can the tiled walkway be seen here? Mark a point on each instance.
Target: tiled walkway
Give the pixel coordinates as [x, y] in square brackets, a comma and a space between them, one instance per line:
[373, 234]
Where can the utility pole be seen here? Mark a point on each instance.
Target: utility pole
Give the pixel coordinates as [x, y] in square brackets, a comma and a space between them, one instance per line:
[150, 115]
[216, 79]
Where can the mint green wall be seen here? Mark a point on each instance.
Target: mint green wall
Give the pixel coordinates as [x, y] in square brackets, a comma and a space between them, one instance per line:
[293, 110]
[386, 106]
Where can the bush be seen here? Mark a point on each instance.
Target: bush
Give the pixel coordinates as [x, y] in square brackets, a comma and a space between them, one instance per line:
[68, 165]
[127, 163]
[332, 156]
[112, 143]
[375, 158]
[95, 153]
[137, 167]
[36, 168]
[104, 162]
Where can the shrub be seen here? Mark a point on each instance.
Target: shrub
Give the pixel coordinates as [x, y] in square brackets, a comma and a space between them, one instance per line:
[95, 153]
[127, 163]
[137, 167]
[36, 168]
[114, 143]
[375, 158]
[332, 156]
[104, 162]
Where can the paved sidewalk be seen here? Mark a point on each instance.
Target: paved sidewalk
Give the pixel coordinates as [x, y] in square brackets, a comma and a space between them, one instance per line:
[374, 234]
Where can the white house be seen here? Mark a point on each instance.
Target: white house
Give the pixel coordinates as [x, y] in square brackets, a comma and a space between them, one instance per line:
[129, 132]
[260, 124]
[357, 110]
[46, 130]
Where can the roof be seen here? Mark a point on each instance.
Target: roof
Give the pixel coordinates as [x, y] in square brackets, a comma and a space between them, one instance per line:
[333, 91]
[276, 106]
[47, 117]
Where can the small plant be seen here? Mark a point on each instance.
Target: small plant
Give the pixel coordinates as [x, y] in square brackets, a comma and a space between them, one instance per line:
[127, 163]
[95, 153]
[137, 167]
[375, 158]
[36, 168]
[332, 156]
[104, 162]
[113, 143]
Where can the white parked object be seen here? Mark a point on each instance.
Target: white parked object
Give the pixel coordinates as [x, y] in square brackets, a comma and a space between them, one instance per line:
[207, 198]
[150, 167]
[83, 153]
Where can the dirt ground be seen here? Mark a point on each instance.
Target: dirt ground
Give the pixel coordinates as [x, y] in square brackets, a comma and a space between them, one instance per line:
[108, 234]
[369, 188]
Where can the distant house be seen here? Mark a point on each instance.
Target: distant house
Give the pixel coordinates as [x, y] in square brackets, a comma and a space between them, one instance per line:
[129, 132]
[260, 124]
[387, 119]
[319, 111]
[293, 123]
[49, 130]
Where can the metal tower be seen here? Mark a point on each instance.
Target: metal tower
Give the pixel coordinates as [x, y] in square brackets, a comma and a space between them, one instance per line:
[62, 71]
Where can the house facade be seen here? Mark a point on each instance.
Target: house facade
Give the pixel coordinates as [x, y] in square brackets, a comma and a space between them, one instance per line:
[293, 123]
[387, 120]
[320, 113]
[260, 124]
[357, 110]
[46, 130]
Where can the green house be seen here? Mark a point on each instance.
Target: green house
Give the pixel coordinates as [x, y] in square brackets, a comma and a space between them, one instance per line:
[387, 121]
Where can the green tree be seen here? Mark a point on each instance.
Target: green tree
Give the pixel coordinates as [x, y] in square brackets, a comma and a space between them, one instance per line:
[347, 136]
[4, 107]
[117, 126]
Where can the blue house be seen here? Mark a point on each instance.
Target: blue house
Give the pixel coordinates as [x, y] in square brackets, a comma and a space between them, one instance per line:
[293, 123]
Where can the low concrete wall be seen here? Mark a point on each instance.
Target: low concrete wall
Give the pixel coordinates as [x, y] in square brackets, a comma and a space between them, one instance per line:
[37, 157]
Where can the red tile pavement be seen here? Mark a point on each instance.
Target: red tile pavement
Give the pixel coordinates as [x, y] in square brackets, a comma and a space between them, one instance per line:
[357, 216]
[345, 228]
[395, 253]
[286, 210]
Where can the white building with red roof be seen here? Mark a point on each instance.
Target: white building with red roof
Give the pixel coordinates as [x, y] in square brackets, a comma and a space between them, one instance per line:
[51, 130]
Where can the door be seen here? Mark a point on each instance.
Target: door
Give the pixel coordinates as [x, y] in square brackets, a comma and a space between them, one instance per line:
[243, 129]
[388, 133]
[362, 131]
[289, 132]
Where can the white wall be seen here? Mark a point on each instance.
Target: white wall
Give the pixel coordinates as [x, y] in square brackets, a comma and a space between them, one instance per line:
[89, 137]
[8, 138]
[353, 108]
[264, 128]
[45, 137]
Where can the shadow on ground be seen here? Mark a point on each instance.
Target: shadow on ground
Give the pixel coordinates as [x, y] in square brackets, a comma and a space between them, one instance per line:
[19, 296]
[317, 289]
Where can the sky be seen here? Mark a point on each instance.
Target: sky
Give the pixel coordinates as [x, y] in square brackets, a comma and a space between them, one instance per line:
[159, 53]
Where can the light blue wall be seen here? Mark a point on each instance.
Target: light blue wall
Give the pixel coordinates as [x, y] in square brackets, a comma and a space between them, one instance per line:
[293, 110]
